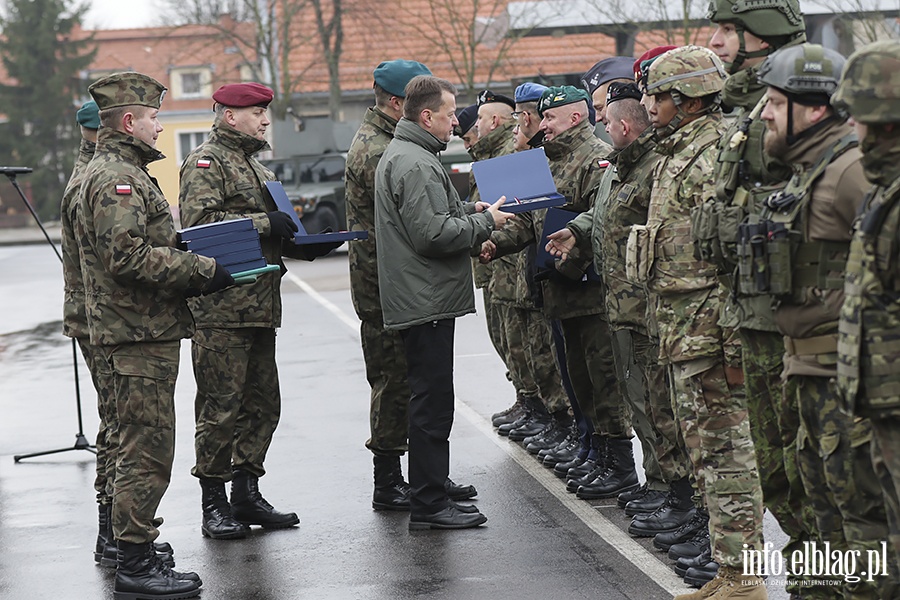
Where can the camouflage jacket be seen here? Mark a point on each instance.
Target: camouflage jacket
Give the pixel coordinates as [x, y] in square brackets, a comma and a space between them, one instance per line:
[134, 277]
[577, 161]
[368, 145]
[504, 271]
[830, 209]
[869, 339]
[745, 176]
[221, 181]
[425, 233]
[498, 142]
[622, 201]
[74, 318]
[686, 288]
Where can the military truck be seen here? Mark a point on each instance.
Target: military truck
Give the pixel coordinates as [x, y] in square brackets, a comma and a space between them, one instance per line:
[315, 186]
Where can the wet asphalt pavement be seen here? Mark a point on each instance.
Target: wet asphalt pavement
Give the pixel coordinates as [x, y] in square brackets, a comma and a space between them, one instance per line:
[539, 542]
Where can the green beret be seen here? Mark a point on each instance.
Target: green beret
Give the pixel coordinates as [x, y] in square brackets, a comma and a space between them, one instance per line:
[88, 115]
[393, 75]
[560, 95]
[127, 89]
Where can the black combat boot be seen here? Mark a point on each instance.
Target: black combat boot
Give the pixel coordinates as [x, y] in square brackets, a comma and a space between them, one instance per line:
[619, 475]
[391, 491]
[560, 426]
[664, 541]
[140, 575]
[105, 516]
[590, 469]
[646, 504]
[110, 556]
[250, 508]
[695, 546]
[218, 521]
[510, 414]
[701, 560]
[536, 424]
[677, 510]
[565, 451]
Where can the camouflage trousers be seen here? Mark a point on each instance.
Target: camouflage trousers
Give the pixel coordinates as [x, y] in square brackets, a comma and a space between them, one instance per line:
[647, 393]
[495, 327]
[886, 463]
[530, 350]
[144, 385]
[713, 420]
[108, 431]
[774, 422]
[835, 460]
[592, 371]
[385, 357]
[238, 401]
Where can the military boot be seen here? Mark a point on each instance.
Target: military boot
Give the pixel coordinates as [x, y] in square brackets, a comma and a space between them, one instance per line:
[664, 541]
[105, 515]
[510, 414]
[539, 421]
[677, 510]
[619, 475]
[560, 426]
[524, 417]
[683, 565]
[731, 584]
[218, 521]
[707, 589]
[110, 556]
[701, 575]
[649, 502]
[693, 547]
[250, 508]
[391, 491]
[565, 451]
[590, 469]
[141, 576]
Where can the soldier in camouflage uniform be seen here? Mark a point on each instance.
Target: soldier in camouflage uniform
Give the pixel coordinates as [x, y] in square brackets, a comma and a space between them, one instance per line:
[745, 34]
[867, 348]
[238, 401]
[383, 350]
[622, 200]
[577, 162]
[817, 209]
[135, 282]
[682, 99]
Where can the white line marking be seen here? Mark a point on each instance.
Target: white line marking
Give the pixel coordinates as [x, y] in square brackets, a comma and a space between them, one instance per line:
[646, 562]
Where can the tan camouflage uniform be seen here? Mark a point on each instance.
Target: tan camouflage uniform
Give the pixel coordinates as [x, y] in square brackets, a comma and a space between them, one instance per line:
[134, 295]
[238, 402]
[383, 350]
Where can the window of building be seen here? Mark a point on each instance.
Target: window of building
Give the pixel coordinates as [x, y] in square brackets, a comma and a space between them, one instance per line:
[191, 82]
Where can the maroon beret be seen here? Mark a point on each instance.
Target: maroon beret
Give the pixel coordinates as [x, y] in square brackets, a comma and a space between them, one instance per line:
[240, 95]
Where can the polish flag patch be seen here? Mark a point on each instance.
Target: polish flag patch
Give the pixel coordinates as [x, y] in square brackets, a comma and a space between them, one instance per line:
[123, 189]
[602, 163]
[203, 163]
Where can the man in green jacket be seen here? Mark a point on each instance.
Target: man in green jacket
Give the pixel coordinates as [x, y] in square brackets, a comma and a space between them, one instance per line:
[425, 236]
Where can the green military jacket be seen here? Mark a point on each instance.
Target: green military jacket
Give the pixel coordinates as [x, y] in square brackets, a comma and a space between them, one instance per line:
[134, 277]
[577, 161]
[369, 144]
[813, 309]
[686, 288]
[622, 201]
[745, 176]
[74, 318]
[869, 339]
[221, 181]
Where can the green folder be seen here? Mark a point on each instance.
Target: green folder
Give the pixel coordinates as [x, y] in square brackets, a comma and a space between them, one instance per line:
[245, 277]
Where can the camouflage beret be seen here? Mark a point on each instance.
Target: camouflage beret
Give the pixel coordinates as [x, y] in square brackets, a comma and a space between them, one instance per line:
[88, 116]
[242, 95]
[560, 96]
[614, 67]
[393, 75]
[127, 89]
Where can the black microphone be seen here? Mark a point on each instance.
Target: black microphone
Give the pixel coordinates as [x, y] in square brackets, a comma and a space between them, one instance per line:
[15, 170]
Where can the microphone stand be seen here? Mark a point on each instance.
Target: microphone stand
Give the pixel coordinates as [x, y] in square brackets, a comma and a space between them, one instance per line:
[81, 442]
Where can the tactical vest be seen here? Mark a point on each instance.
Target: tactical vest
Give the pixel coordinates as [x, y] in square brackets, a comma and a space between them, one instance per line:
[869, 329]
[773, 257]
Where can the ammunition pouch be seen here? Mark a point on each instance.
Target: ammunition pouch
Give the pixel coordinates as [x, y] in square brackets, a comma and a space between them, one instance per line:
[639, 254]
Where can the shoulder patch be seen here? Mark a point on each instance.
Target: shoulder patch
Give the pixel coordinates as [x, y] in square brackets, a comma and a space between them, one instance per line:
[602, 163]
[123, 189]
[203, 163]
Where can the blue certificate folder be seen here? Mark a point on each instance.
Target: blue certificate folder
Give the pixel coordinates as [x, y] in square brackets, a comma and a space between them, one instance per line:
[234, 244]
[523, 177]
[276, 191]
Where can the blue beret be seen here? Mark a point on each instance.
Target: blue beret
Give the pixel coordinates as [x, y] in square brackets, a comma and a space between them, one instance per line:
[529, 92]
[88, 115]
[466, 118]
[615, 67]
[393, 75]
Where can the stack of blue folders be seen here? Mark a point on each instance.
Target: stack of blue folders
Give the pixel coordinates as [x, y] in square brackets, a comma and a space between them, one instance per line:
[234, 244]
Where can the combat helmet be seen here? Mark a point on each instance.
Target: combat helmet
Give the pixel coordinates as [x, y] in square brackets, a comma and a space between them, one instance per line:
[691, 71]
[769, 20]
[869, 89]
[804, 70]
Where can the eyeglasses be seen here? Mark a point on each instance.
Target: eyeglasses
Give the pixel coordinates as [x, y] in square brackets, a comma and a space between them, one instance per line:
[517, 113]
